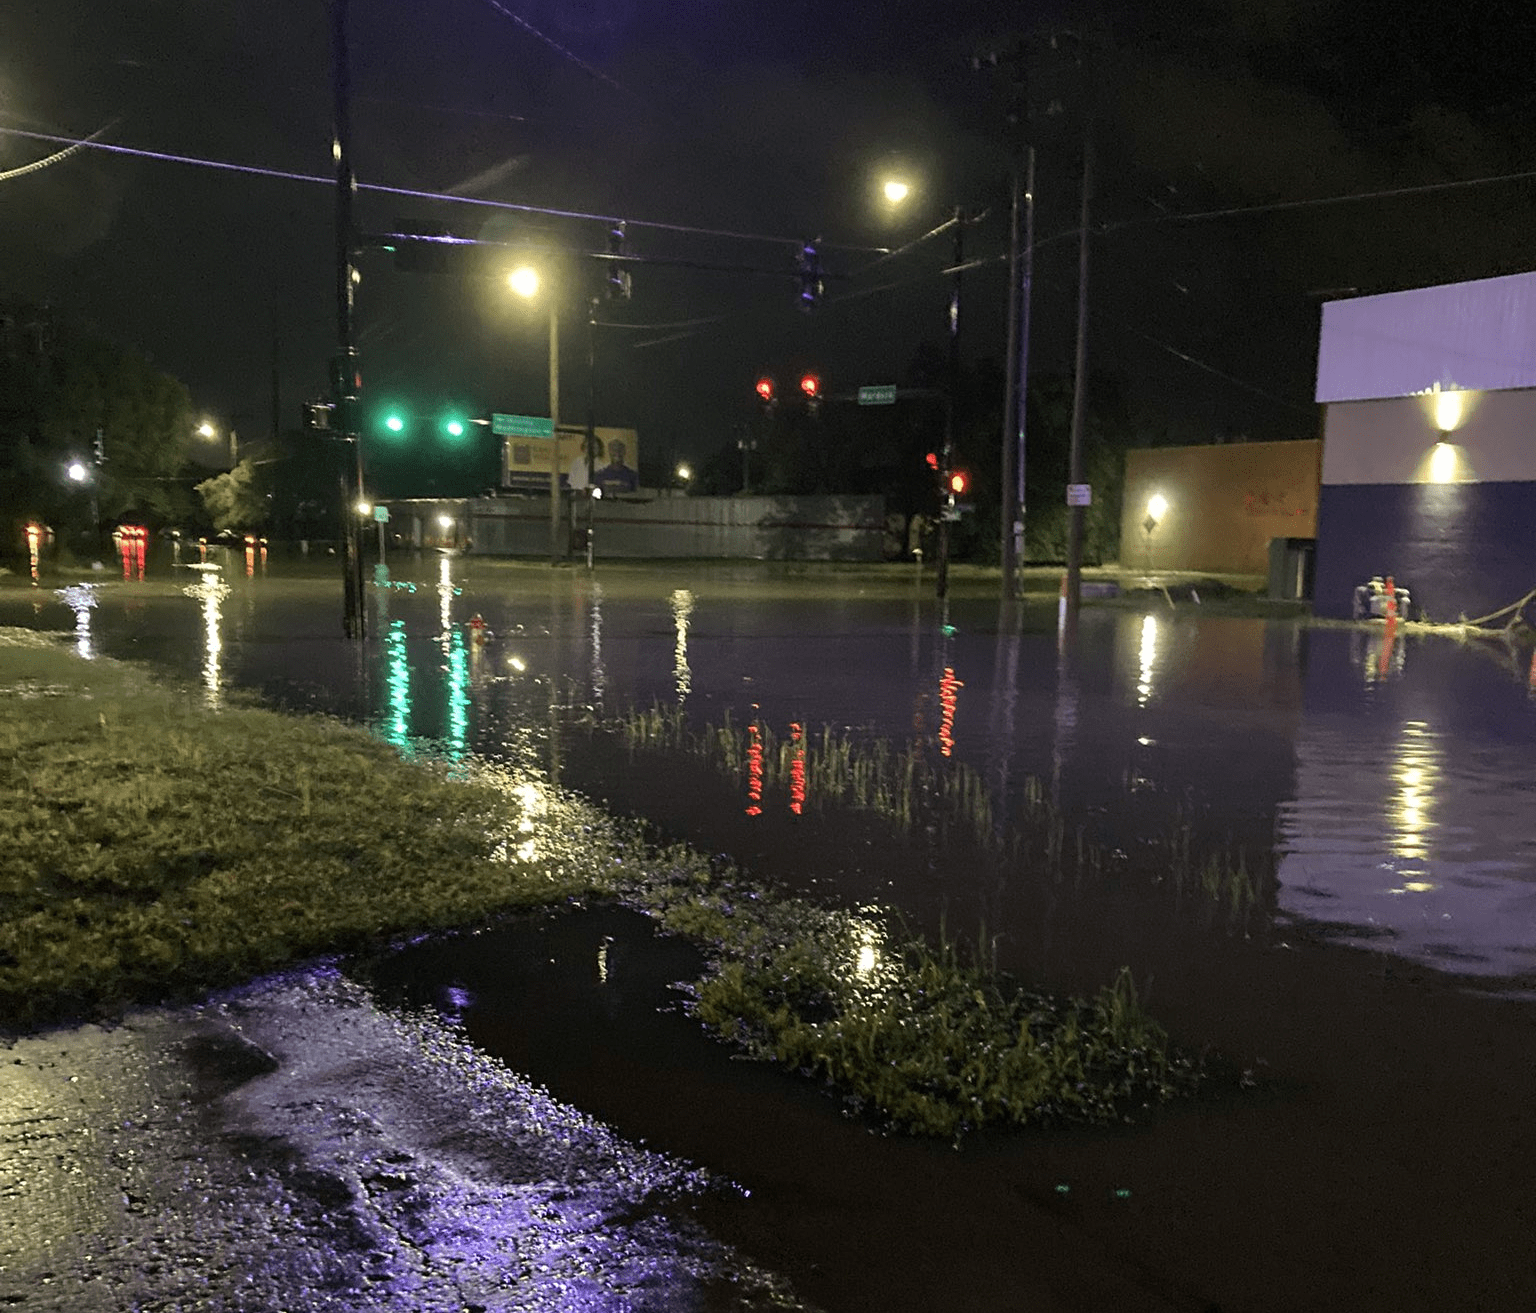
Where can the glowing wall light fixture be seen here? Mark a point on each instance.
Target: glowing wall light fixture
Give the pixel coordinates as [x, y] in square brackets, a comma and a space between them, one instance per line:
[896, 191]
[1157, 509]
[1450, 409]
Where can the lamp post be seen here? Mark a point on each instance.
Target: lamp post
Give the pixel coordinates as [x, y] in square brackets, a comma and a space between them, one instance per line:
[525, 281]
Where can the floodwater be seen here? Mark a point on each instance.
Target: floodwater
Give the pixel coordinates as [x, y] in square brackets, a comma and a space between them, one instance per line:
[1373, 788]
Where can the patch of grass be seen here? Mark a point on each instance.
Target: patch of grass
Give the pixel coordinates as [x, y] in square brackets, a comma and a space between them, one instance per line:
[927, 1040]
[150, 847]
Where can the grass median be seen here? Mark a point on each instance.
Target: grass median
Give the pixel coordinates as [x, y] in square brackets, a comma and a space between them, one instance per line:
[152, 848]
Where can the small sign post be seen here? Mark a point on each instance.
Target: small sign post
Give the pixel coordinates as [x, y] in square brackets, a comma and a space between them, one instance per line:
[879, 394]
[1079, 494]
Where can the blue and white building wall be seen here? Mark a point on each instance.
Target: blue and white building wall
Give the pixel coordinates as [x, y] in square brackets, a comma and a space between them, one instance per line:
[1429, 446]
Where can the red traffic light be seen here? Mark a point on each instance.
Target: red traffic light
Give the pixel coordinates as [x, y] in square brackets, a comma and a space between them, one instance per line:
[810, 385]
[959, 481]
[933, 460]
[765, 388]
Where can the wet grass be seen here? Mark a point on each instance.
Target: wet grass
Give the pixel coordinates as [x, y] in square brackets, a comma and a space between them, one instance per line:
[927, 1039]
[153, 848]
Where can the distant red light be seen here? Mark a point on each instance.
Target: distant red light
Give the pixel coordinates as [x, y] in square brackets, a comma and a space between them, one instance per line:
[810, 385]
[958, 482]
[933, 460]
[765, 388]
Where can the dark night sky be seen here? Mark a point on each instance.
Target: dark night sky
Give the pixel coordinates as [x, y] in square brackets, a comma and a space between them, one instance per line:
[771, 120]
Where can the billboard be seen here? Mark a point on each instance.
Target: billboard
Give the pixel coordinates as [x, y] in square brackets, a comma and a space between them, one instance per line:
[525, 461]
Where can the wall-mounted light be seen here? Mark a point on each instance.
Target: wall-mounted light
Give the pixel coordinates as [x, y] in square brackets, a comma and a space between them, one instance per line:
[1450, 408]
[1444, 463]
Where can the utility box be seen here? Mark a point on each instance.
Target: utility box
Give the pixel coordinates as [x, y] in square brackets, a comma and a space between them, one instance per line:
[1290, 568]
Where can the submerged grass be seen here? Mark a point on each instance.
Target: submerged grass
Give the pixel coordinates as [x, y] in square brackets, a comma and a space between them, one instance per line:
[921, 793]
[151, 848]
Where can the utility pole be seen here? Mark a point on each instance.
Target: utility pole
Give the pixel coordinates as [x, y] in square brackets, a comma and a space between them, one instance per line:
[1075, 513]
[946, 466]
[554, 430]
[1026, 293]
[345, 379]
[591, 452]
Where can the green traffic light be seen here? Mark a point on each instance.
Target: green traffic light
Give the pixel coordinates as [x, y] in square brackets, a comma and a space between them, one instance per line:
[455, 428]
[395, 423]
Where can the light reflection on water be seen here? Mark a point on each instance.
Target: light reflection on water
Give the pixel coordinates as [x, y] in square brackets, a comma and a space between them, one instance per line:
[1389, 770]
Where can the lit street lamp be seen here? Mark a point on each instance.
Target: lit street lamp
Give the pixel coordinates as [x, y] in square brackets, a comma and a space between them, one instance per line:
[207, 430]
[524, 280]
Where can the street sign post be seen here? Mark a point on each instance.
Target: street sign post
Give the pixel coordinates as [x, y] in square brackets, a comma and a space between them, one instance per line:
[879, 394]
[381, 514]
[522, 426]
[1079, 494]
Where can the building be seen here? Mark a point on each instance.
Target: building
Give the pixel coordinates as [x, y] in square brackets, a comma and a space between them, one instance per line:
[1216, 508]
[1429, 446]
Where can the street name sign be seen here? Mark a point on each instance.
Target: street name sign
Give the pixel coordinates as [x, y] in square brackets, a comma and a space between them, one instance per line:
[522, 426]
[381, 514]
[880, 394]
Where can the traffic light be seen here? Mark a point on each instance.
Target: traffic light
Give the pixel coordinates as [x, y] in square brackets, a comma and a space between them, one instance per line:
[811, 284]
[453, 426]
[810, 386]
[619, 282]
[933, 460]
[764, 390]
[394, 421]
[959, 481]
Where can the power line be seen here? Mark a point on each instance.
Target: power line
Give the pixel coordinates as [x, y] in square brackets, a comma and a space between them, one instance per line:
[1208, 368]
[590, 69]
[1271, 207]
[286, 175]
[58, 157]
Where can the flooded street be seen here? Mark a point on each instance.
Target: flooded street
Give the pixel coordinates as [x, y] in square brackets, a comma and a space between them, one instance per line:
[1312, 847]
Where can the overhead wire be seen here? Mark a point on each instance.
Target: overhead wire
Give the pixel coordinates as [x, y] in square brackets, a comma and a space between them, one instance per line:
[289, 175]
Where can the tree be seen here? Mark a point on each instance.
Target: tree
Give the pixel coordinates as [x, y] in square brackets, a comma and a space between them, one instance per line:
[236, 499]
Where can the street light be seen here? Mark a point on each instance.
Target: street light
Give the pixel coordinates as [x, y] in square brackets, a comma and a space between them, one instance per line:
[896, 191]
[684, 474]
[208, 430]
[524, 280]
[77, 471]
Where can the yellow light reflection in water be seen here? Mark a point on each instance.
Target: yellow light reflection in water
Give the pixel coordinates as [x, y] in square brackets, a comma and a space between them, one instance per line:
[397, 682]
[599, 671]
[682, 610]
[1415, 774]
[1148, 660]
[81, 598]
[34, 548]
[445, 595]
[210, 590]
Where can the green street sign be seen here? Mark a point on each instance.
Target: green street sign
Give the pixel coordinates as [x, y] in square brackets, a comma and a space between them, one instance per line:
[381, 514]
[522, 426]
[881, 394]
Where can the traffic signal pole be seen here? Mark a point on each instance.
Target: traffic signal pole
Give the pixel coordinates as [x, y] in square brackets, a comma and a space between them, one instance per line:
[344, 369]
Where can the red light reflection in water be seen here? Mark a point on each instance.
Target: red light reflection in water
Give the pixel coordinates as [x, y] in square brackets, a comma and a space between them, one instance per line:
[250, 560]
[130, 546]
[797, 769]
[949, 696]
[1384, 662]
[754, 768]
[34, 546]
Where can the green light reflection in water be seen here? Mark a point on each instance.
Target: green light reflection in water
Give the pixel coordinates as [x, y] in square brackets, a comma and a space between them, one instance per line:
[397, 682]
[458, 696]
